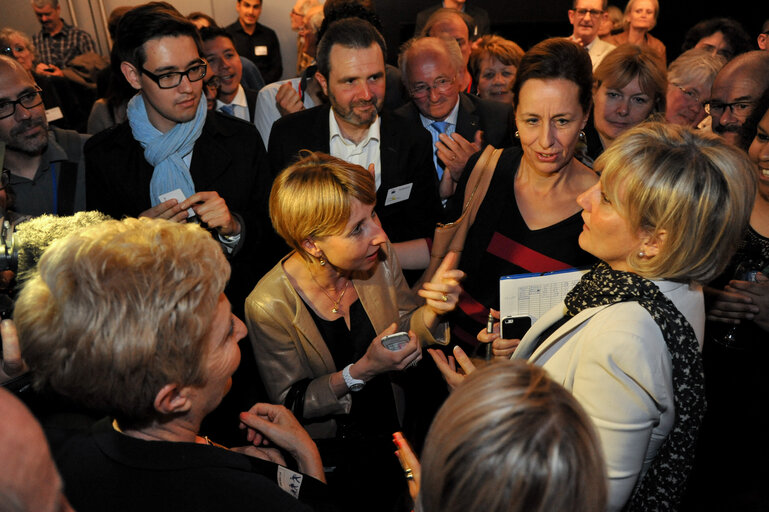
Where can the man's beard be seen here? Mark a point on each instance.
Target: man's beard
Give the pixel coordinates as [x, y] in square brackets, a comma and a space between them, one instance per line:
[33, 146]
[349, 115]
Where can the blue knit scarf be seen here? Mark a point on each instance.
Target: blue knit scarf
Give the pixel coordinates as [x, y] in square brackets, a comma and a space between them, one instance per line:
[165, 151]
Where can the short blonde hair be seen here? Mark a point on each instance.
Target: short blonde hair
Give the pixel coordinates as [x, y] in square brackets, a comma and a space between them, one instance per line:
[119, 310]
[311, 198]
[629, 61]
[629, 7]
[695, 188]
[511, 439]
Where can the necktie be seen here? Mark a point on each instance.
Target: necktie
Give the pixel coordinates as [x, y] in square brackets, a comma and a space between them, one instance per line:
[440, 126]
[228, 109]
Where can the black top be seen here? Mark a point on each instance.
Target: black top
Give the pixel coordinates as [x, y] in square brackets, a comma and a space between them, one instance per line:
[107, 470]
[373, 407]
[500, 243]
[261, 48]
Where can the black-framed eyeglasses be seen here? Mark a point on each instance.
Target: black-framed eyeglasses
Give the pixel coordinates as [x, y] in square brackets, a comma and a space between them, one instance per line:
[440, 85]
[27, 100]
[174, 78]
[583, 12]
[5, 179]
[689, 94]
[739, 109]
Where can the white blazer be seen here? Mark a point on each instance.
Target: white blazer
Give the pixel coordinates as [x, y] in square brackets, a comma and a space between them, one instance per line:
[615, 362]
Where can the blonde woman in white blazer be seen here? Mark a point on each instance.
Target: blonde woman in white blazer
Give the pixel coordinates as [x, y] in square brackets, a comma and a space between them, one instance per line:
[665, 217]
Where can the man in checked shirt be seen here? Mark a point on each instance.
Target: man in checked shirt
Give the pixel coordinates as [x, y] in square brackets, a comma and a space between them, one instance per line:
[57, 43]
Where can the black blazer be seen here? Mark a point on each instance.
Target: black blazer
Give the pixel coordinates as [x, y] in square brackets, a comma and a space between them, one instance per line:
[496, 120]
[406, 158]
[228, 158]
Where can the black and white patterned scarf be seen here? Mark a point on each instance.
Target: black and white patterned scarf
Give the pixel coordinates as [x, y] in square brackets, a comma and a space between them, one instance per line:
[663, 484]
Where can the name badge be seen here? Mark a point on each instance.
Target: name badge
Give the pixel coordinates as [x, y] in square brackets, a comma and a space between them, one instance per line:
[398, 194]
[260, 51]
[290, 481]
[53, 114]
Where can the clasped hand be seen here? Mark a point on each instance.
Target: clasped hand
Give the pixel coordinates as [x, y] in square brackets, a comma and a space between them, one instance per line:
[274, 424]
[209, 206]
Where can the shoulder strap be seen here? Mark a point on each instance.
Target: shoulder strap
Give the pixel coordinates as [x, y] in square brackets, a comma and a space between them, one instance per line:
[479, 180]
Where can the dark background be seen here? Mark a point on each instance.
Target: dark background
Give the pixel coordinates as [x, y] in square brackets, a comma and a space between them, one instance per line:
[528, 22]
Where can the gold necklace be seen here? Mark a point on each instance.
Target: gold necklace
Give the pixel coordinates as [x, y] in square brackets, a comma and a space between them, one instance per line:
[335, 308]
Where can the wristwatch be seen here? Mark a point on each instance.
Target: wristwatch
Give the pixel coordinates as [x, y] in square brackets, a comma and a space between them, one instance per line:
[353, 384]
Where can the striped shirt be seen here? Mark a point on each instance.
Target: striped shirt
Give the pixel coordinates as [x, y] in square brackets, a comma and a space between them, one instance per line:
[61, 48]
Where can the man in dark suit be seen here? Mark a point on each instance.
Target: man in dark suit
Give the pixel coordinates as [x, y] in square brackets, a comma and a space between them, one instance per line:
[351, 72]
[480, 17]
[225, 63]
[460, 124]
[213, 166]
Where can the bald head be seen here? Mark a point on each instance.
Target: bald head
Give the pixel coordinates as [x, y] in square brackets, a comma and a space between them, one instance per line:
[28, 477]
[737, 87]
[448, 23]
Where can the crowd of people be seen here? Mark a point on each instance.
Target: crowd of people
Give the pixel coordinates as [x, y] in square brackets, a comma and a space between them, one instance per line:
[246, 322]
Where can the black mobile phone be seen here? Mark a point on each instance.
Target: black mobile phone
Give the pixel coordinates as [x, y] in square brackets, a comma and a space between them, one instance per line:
[514, 327]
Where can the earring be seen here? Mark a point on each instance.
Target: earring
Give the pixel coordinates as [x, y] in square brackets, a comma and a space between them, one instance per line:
[582, 136]
[322, 261]
[517, 135]
[641, 254]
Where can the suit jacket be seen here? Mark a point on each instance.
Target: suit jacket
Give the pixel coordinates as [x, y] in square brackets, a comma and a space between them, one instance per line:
[289, 347]
[615, 362]
[479, 15]
[405, 155]
[495, 119]
[251, 97]
[599, 50]
[228, 158]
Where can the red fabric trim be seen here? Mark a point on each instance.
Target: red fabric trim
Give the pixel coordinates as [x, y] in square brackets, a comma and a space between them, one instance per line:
[522, 256]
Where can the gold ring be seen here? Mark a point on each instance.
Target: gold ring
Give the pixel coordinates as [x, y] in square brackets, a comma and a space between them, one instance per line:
[445, 298]
[409, 474]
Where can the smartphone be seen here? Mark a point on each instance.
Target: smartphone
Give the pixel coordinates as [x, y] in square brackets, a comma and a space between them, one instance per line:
[514, 327]
[396, 341]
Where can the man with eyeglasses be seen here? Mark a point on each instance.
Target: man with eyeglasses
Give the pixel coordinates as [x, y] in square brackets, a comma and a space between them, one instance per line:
[737, 87]
[173, 159]
[45, 164]
[460, 124]
[354, 127]
[586, 16]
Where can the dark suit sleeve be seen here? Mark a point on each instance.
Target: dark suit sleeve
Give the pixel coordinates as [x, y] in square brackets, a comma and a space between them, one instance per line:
[415, 217]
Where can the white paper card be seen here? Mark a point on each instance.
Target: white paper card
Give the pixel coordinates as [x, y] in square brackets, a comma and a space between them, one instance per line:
[260, 51]
[53, 114]
[179, 196]
[398, 194]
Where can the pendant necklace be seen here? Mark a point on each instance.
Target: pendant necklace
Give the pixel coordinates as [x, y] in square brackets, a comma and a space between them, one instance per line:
[335, 308]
